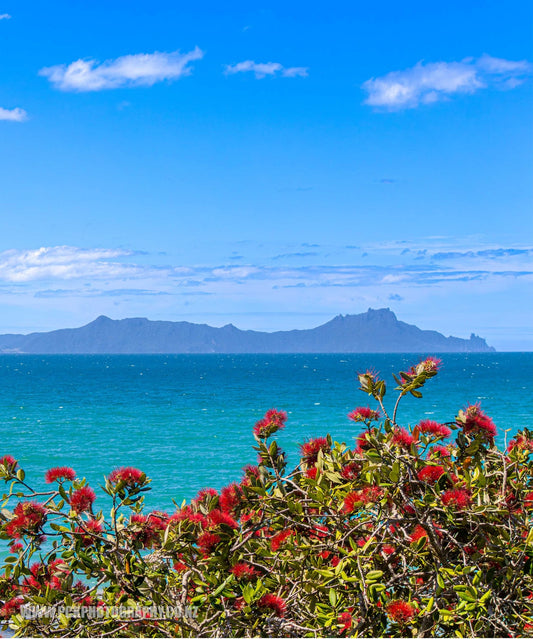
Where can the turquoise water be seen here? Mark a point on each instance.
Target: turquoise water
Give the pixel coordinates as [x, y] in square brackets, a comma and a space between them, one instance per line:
[186, 420]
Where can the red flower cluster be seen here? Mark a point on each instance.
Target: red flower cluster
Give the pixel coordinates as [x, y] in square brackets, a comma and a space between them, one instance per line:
[402, 438]
[364, 414]
[345, 620]
[351, 471]
[273, 421]
[146, 529]
[205, 494]
[474, 421]
[130, 477]
[88, 530]
[217, 517]
[188, 514]
[418, 533]
[429, 427]
[243, 571]
[278, 539]
[400, 611]
[528, 501]
[311, 472]
[207, 541]
[442, 451]
[309, 450]
[458, 497]
[230, 498]
[274, 603]
[368, 495]
[521, 442]
[8, 461]
[11, 607]
[431, 474]
[46, 576]
[60, 473]
[82, 499]
[29, 517]
[251, 472]
[430, 364]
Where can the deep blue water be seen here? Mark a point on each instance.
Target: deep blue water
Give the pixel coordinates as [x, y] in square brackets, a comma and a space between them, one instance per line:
[186, 420]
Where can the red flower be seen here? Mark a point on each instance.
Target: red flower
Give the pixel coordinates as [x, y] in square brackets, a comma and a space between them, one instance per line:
[230, 498]
[369, 494]
[310, 449]
[362, 442]
[273, 421]
[443, 451]
[217, 517]
[429, 427]
[60, 473]
[130, 477]
[400, 611]
[274, 603]
[243, 571]
[205, 494]
[207, 541]
[458, 497]
[528, 500]
[145, 529]
[11, 607]
[7, 460]
[350, 472]
[14, 547]
[311, 472]
[429, 366]
[345, 619]
[188, 514]
[521, 442]
[430, 474]
[418, 533]
[364, 414]
[179, 566]
[475, 421]
[388, 549]
[29, 517]
[86, 532]
[82, 499]
[402, 438]
[251, 472]
[278, 539]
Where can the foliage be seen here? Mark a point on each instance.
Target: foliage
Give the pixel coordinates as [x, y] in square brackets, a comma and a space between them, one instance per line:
[401, 536]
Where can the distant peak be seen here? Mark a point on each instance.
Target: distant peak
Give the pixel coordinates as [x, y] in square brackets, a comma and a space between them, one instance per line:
[102, 318]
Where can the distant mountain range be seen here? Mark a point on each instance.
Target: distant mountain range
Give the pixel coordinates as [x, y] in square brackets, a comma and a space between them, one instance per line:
[376, 331]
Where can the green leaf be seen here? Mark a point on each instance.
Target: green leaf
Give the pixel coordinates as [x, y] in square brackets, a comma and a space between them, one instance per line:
[374, 575]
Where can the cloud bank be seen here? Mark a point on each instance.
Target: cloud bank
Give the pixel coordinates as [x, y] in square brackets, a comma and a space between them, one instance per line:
[437, 81]
[261, 70]
[139, 70]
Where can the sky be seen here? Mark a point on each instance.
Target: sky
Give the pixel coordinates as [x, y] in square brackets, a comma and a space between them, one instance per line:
[268, 165]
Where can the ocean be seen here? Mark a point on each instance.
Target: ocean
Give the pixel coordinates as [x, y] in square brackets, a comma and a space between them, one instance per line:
[186, 420]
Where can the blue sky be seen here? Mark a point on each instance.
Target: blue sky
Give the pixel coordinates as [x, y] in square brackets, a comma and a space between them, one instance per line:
[270, 166]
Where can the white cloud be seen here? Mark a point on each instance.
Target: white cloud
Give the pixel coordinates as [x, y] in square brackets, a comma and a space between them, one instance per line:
[262, 69]
[5, 16]
[142, 69]
[63, 262]
[13, 115]
[432, 82]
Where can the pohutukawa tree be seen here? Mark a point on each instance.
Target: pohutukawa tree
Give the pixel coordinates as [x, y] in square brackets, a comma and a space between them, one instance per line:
[405, 534]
